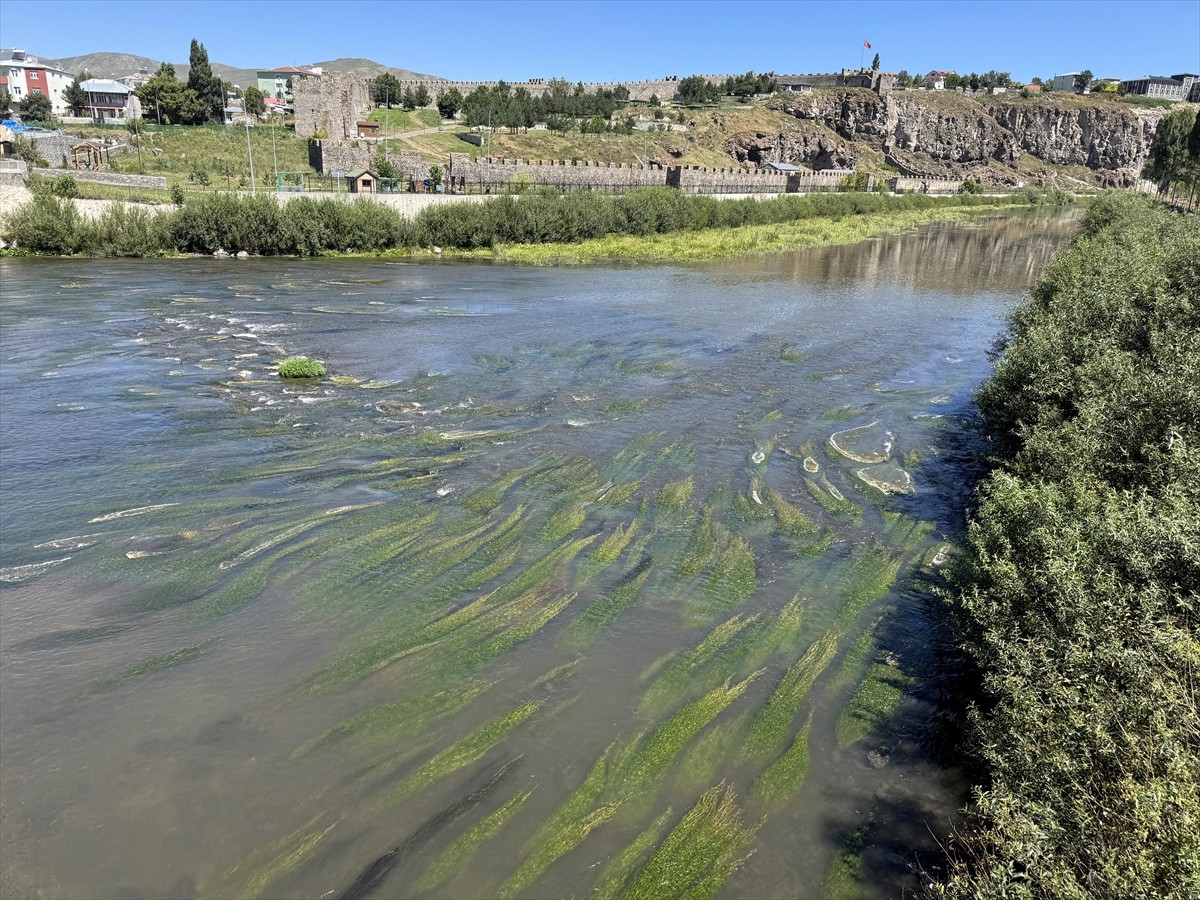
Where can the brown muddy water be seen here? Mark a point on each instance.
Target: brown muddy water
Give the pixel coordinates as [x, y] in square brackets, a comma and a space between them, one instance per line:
[565, 583]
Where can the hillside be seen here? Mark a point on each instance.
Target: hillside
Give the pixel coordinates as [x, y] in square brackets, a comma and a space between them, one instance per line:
[118, 65]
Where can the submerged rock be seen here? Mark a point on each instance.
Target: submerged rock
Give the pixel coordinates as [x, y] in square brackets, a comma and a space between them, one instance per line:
[870, 443]
[890, 479]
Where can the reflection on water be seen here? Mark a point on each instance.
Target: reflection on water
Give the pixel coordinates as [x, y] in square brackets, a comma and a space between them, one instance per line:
[557, 586]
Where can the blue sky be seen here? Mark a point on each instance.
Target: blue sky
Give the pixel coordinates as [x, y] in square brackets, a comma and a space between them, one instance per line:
[581, 40]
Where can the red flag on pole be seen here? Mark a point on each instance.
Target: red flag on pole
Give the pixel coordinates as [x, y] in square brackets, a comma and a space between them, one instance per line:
[867, 44]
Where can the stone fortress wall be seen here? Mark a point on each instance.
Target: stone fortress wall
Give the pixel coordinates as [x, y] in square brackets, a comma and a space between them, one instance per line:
[334, 102]
[328, 108]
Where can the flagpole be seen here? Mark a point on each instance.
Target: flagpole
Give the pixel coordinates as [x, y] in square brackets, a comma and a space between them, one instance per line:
[861, 51]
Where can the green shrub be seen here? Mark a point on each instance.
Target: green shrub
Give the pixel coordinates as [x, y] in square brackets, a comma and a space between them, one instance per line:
[47, 224]
[1077, 594]
[970, 187]
[300, 367]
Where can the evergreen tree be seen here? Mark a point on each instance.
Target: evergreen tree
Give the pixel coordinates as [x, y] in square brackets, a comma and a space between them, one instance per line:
[421, 96]
[207, 86]
[449, 103]
[386, 90]
[875, 63]
[253, 101]
[36, 108]
[75, 96]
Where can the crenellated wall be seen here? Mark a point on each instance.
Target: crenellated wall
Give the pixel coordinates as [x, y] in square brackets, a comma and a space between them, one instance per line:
[496, 172]
[328, 157]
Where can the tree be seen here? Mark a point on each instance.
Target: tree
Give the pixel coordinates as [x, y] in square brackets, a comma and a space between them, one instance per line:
[253, 101]
[172, 101]
[207, 86]
[903, 79]
[421, 96]
[1083, 81]
[408, 99]
[386, 90]
[36, 108]
[5, 100]
[74, 96]
[449, 103]
[918, 81]
[875, 63]
[654, 101]
[1194, 143]
[974, 81]
[696, 89]
[1170, 159]
[166, 69]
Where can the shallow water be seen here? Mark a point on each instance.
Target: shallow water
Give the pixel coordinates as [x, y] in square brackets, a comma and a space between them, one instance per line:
[258, 635]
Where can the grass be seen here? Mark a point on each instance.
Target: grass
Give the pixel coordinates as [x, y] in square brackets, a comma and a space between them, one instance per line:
[614, 545]
[790, 520]
[397, 121]
[831, 498]
[699, 854]
[300, 367]
[675, 495]
[600, 613]
[684, 666]
[732, 578]
[701, 546]
[720, 243]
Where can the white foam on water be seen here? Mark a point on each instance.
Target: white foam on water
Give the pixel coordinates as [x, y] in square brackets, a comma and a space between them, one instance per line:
[136, 511]
[75, 542]
[758, 457]
[15, 574]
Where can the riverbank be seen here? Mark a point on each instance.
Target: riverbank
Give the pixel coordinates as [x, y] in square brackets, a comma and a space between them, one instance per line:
[1076, 597]
[652, 224]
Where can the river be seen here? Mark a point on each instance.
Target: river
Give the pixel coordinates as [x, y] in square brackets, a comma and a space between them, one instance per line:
[581, 582]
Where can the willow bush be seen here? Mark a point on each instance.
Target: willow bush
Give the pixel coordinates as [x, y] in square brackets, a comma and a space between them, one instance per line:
[1078, 595]
[304, 227]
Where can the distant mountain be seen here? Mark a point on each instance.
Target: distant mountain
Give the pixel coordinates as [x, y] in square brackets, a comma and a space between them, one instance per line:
[118, 65]
[368, 68]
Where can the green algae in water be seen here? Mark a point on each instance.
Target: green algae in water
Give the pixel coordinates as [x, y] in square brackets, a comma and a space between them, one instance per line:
[790, 520]
[564, 521]
[601, 612]
[870, 575]
[701, 546]
[276, 859]
[732, 578]
[877, 696]
[567, 838]
[684, 666]
[614, 545]
[620, 773]
[699, 854]
[463, 849]
[675, 495]
[400, 717]
[773, 723]
[710, 753]
[150, 666]
[791, 355]
[831, 499]
[785, 776]
[843, 880]
[617, 872]
[461, 753]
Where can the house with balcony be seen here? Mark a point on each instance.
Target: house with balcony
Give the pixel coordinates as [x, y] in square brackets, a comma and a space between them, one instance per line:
[26, 75]
[107, 100]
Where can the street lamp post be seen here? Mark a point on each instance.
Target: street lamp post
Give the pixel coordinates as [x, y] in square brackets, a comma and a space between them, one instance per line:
[249, 152]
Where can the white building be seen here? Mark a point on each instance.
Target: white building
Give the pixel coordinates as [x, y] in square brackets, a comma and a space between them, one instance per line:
[25, 74]
[1064, 82]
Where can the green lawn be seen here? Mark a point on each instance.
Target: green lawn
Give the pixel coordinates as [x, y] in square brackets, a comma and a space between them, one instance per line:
[398, 121]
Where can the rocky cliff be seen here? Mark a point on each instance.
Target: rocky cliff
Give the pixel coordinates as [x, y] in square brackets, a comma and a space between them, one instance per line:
[992, 139]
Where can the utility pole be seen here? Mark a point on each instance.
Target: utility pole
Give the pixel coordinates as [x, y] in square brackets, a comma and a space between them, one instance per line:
[249, 152]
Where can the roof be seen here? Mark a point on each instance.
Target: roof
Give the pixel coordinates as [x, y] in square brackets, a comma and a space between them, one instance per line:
[943, 74]
[104, 86]
[782, 167]
[359, 173]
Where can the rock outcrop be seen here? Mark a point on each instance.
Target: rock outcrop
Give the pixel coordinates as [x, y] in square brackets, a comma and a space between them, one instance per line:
[952, 135]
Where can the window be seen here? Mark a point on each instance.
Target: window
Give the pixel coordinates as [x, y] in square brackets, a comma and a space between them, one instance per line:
[34, 76]
[16, 91]
[35, 90]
